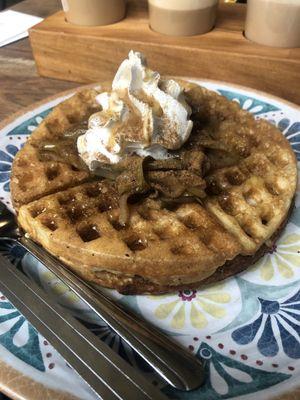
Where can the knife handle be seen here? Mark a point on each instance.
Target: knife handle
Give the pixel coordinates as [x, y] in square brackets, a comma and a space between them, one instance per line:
[104, 370]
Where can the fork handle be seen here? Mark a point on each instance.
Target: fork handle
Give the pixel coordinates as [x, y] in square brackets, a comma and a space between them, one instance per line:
[173, 363]
[104, 370]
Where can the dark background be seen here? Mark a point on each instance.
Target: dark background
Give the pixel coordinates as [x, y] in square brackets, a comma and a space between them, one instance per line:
[8, 3]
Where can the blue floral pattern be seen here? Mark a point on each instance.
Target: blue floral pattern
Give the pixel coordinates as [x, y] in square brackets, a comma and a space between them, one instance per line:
[15, 322]
[285, 316]
[29, 351]
[291, 131]
[227, 378]
[248, 103]
[30, 124]
[13, 251]
[6, 159]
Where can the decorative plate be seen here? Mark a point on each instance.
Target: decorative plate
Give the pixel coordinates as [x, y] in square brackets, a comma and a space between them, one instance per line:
[246, 329]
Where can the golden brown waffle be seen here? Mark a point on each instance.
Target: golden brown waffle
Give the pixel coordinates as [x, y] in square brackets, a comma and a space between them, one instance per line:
[32, 178]
[254, 173]
[250, 189]
[80, 225]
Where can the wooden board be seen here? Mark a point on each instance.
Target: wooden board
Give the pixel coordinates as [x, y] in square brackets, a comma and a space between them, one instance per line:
[89, 54]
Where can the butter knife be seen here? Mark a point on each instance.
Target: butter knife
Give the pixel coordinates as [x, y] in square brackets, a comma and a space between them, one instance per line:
[174, 364]
[105, 371]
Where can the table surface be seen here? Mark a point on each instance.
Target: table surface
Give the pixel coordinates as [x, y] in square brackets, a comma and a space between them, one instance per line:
[20, 84]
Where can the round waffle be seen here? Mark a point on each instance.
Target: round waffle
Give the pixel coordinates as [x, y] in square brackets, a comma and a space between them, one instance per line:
[250, 188]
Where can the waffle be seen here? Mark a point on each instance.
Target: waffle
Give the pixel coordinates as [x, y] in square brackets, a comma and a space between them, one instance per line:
[32, 178]
[250, 188]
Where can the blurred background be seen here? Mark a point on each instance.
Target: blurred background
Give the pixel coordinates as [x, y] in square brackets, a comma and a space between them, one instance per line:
[9, 3]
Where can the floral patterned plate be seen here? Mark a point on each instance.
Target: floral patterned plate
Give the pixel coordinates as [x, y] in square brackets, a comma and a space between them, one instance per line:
[246, 329]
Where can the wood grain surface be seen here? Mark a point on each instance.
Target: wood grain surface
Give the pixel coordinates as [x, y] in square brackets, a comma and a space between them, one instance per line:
[90, 54]
[20, 85]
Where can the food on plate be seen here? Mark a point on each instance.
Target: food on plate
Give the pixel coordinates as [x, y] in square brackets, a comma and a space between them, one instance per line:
[154, 184]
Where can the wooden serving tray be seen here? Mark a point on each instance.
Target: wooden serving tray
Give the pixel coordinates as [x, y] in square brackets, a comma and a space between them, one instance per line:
[92, 54]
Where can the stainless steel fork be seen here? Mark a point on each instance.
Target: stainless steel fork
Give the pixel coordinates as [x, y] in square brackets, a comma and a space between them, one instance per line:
[174, 364]
[107, 374]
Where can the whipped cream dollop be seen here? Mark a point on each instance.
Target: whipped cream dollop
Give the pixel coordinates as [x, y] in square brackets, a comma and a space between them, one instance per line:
[143, 115]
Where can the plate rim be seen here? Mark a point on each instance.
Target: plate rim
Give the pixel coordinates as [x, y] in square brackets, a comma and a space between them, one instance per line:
[16, 394]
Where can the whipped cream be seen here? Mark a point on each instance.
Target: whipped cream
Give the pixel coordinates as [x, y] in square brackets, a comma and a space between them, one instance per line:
[143, 114]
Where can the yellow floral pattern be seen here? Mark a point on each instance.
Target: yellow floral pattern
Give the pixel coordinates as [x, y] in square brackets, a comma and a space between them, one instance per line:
[282, 259]
[51, 283]
[193, 307]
